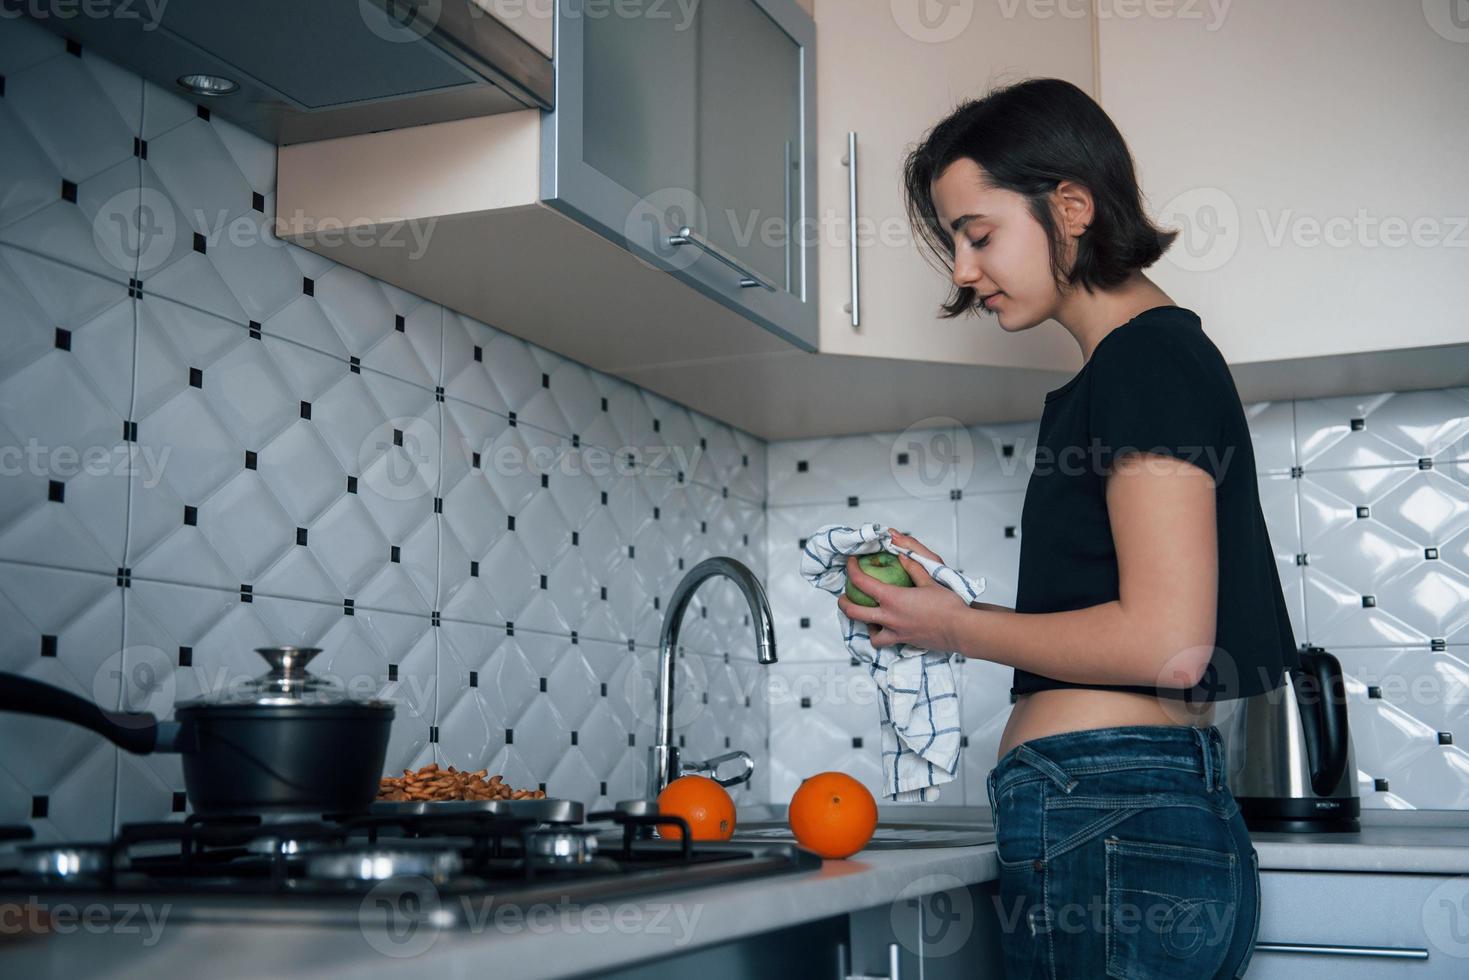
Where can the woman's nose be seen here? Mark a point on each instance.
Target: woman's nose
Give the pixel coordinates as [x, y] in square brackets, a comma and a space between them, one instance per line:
[966, 271]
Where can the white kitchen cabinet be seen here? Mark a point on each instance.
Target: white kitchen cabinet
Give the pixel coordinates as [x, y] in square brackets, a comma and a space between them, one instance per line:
[1361, 926]
[1313, 155]
[887, 72]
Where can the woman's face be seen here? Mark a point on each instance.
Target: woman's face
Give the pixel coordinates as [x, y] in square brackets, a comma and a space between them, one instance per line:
[999, 247]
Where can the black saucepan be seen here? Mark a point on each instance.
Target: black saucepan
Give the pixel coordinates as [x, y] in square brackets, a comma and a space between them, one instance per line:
[288, 741]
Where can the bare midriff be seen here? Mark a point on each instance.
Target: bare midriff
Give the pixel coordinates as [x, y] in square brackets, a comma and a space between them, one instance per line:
[1057, 710]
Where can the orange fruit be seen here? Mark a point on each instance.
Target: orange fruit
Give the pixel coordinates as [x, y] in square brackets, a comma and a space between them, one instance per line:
[703, 803]
[832, 814]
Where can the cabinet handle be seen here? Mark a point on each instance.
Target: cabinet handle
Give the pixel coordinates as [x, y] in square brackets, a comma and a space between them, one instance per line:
[748, 279]
[1390, 952]
[894, 966]
[850, 162]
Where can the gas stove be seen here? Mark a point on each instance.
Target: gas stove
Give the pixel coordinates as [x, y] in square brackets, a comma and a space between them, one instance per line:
[452, 857]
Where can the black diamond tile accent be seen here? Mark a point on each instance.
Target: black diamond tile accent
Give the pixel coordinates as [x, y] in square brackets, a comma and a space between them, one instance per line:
[435, 619]
[805, 702]
[479, 353]
[543, 683]
[306, 410]
[545, 380]
[1369, 601]
[196, 378]
[1358, 425]
[474, 569]
[251, 459]
[48, 645]
[349, 607]
[802, 466]
[257, 201]
[509, 522]
[509, 736]
[308, 285]
[400, 324]
[254, 330]
[604, 689]
[805, 622]
[631, 739]
[202, 113]
[1364, 512]
[191, 515]
[354, 365]
[438, 505]
[180, 802]
[200, 245]
[130, 431]
[68, 192]
[1430, 554]
[247, 593]
[394, 554]
[1445, 738]
[56, 492]
[301, 536]
[186, 656]
[573, 738]
[433, 734]
[474, 678]
[351, 484]
[852, 501]
[1374, 692]
[63, 339]
[1379, 785]
[1009, 530]
[392, 672]
[40, 807]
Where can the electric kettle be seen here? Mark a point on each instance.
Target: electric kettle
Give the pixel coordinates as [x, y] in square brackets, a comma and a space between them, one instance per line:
[1290, 759]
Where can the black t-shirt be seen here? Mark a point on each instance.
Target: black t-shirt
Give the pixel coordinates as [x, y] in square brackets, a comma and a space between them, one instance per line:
[1155, 384]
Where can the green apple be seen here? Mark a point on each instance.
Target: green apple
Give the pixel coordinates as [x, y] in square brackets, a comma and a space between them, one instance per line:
[882, 566]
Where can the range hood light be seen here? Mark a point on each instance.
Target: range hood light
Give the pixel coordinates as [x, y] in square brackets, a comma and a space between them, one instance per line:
[208, 85]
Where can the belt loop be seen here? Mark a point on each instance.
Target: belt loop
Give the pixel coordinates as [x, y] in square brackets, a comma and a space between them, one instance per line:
[1057, 775]
[989, 787]
[1206, 751]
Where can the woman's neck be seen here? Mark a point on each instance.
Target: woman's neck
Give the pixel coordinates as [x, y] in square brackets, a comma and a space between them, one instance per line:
[1089, 317]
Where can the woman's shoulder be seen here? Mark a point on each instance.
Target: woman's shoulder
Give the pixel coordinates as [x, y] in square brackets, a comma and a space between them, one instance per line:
[1164, 336]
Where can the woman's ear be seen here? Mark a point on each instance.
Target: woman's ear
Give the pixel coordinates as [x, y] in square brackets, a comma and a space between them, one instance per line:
[1075, 207]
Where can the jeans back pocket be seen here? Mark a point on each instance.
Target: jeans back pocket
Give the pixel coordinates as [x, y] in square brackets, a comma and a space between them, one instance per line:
[1171, 909]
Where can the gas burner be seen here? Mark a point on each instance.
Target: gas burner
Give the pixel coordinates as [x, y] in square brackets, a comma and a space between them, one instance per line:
[437, 860]
[64, 862]
[288, 845]
[561, 845]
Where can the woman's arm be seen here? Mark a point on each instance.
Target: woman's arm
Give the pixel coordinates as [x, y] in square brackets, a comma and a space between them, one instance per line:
[1160, 631]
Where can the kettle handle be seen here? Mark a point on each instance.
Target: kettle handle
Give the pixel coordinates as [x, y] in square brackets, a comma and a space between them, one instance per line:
[1330, 711]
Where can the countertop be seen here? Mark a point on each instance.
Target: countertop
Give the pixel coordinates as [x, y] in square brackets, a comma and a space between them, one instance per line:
[563, 942]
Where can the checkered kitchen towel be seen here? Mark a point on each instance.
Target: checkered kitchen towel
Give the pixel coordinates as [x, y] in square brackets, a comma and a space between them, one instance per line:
[917, 687]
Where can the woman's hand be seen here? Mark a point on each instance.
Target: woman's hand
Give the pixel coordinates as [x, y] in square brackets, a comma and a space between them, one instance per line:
[913, 544]
[921, 616]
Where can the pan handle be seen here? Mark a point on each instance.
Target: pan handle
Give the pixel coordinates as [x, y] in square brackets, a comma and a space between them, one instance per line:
[138, 733]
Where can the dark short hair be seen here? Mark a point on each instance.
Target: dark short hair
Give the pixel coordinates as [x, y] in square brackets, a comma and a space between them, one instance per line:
[1028, 137]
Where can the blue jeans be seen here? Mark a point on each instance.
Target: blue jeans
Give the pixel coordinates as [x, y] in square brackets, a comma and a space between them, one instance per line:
[1123, 854]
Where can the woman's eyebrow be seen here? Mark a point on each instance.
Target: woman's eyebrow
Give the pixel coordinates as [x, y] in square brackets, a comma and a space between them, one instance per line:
[964, 219]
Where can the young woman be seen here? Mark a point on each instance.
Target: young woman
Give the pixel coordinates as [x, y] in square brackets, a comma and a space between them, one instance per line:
[1147, 589]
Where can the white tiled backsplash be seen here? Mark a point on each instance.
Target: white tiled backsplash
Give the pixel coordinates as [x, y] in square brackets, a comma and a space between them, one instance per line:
[213, 441]
[1367, 500]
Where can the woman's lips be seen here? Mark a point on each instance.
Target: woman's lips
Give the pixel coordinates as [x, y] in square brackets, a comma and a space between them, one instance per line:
[991, 300]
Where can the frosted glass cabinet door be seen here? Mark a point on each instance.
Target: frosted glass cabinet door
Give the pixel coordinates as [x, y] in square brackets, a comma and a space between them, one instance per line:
[749, 137]
[639, 86]
[698, 117]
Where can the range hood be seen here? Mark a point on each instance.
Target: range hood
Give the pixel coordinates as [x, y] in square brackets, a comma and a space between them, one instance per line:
[306, 70]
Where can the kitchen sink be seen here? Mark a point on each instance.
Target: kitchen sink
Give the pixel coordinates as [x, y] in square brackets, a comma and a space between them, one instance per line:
[899, 826]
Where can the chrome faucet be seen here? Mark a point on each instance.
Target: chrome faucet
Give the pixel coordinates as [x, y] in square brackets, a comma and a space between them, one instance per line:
[664, 765]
